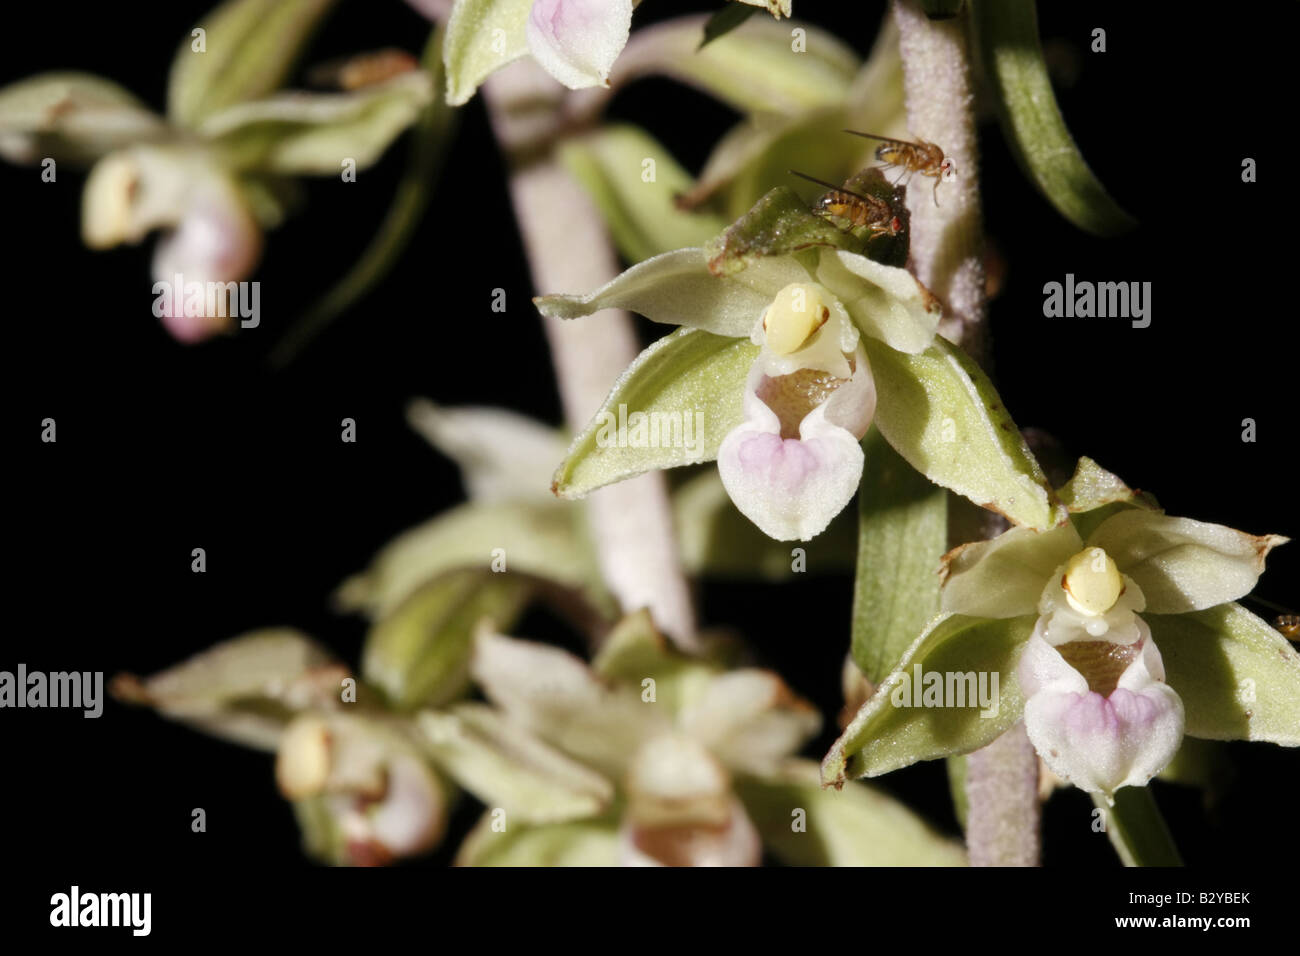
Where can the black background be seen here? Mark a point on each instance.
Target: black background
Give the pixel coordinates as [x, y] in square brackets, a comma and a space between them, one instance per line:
[163, 448]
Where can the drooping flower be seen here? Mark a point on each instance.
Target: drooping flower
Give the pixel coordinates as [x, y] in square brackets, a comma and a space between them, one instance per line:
[211, 175]
[575, 41]
[1114, 635]
[649, 758]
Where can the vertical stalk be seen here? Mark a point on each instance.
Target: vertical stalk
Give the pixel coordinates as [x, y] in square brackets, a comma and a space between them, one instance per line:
[947, 252]
[568, 249]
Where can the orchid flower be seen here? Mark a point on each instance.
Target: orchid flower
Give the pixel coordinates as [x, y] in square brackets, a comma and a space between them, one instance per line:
[797, 334]
[1113, 636]
[648, 758]
[214, 173]
[575, 41]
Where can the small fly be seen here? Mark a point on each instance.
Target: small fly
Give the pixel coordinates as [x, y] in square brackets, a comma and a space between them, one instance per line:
[363, 69]
[862, 211]
[1289, 626]
[924, 158]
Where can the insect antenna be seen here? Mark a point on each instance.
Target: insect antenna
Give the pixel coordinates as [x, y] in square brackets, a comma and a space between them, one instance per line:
[831, 186]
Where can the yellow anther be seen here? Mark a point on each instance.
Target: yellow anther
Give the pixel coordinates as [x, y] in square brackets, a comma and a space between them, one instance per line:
[1092, 583]
[795, 314]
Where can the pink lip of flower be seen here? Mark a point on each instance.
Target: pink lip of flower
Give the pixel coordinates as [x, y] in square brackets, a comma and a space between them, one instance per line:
[791, 488]
[1100, 742]
[577, 41]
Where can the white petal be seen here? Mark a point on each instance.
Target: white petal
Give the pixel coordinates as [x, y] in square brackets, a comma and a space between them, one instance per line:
[1097, 743]
[886, 302]
[1005, 577]
[554, 695]
[750, 720]
[577, 41]
[503, 456]
[792, 488]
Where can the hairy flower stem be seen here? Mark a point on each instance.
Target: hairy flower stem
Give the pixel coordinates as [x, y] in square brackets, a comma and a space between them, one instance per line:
[947, 252]
[568, 249]
[947, 241]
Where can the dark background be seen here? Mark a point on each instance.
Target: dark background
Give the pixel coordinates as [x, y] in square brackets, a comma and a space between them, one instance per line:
[163, 448]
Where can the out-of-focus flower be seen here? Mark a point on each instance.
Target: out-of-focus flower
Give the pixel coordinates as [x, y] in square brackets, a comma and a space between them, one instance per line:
[1069, 620]
[217, 170]
[647, 758]
[575, 41]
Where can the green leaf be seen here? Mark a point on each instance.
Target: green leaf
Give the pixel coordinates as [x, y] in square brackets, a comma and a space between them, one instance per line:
[504, 766]
[249, 48]
[313, 133]
[855, 826]
[940, 412]
[726, 20]
[1180, 564]
[418, 654]
[580, 843]
[754, 68]
[641, 212]
[902, 533]
[715, 539]
[885, 736]
[1239, 678]
[431, 138]
[689, 379]
[1136, 829]
[1005, 34]
[71, 117]
[482, 36]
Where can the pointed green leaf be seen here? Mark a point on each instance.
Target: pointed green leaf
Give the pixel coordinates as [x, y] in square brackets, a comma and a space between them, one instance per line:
[1093, 494]
[248, 49]
[672, 406]
[634, 182]
[856, 826]
[940, 412]
[1006, 41]
[891, 731]
[71, 117]
[313, 133]
[902, 534]
[1239, 678]
[482, 36]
